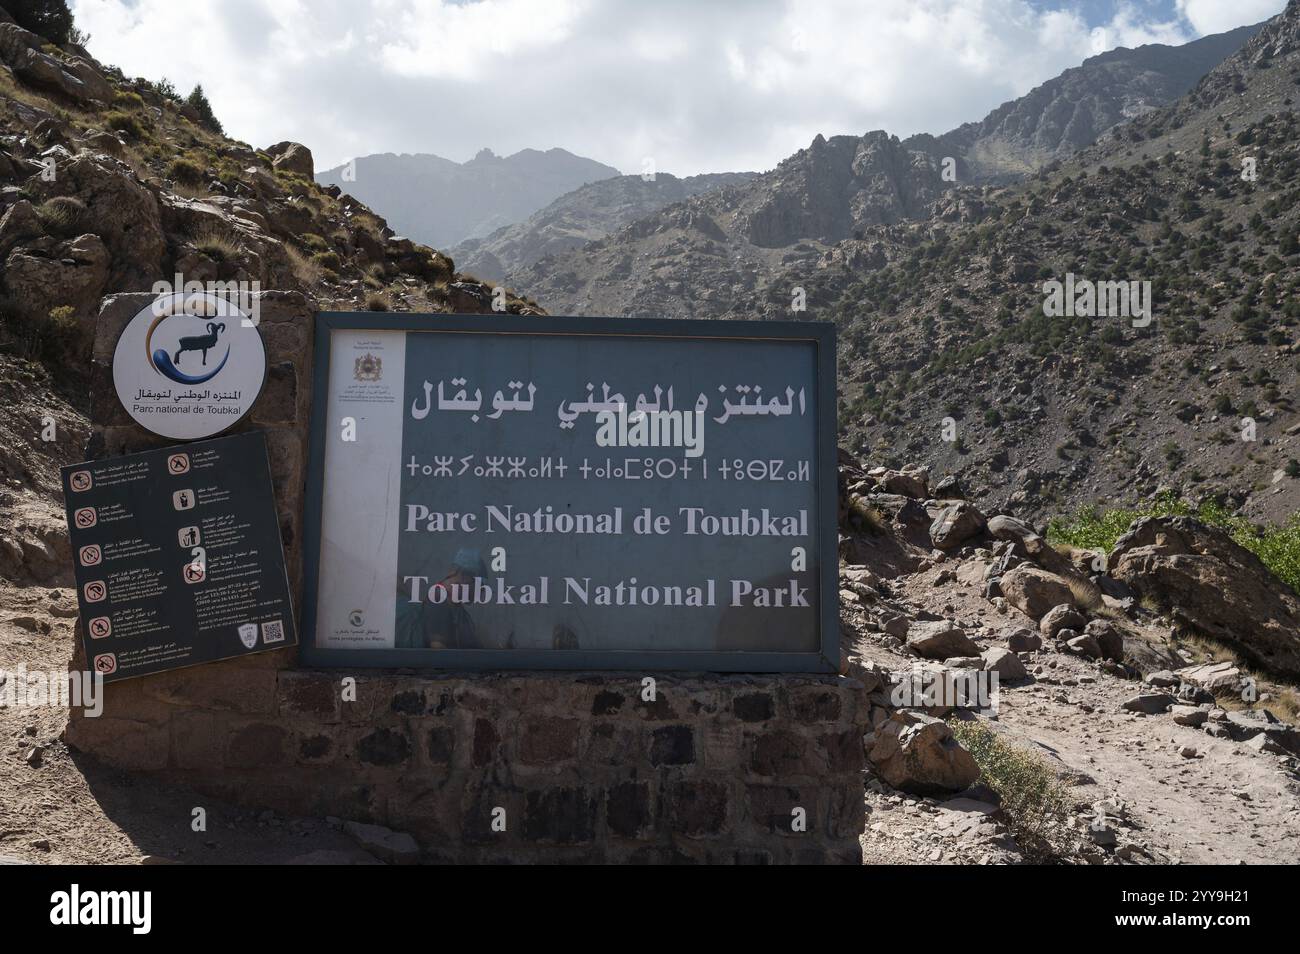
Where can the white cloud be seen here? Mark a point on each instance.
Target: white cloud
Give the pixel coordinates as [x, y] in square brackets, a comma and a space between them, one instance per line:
[1218, 16]
[699, 85]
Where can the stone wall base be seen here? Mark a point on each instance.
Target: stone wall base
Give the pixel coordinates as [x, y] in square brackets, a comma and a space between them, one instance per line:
[514, 767]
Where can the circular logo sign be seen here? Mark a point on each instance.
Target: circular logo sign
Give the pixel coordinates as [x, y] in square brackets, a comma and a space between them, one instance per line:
[189, 365]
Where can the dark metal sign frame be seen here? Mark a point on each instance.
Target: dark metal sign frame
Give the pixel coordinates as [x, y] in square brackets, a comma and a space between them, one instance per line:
[819, 334]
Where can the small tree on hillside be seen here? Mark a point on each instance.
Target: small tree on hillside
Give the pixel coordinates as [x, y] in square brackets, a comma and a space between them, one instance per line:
[199, 100]
[49, 18]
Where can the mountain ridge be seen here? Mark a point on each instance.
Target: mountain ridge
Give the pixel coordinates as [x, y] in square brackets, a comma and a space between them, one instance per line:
[440, 202]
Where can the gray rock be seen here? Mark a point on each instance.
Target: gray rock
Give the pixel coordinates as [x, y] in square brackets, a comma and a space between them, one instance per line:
[1023, 641]
[917, 753]
[1085, 644]
[956, 524]
[1005, 663]
[1193, 716]
[1064, 616]
[1149, 703]
[1162, 679]
[1109, 639]
[939, 640]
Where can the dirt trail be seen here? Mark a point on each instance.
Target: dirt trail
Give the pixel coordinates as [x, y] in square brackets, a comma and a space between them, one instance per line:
[1229, 804]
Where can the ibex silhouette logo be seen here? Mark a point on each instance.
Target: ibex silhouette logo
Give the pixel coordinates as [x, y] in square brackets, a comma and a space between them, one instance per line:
[168, 364]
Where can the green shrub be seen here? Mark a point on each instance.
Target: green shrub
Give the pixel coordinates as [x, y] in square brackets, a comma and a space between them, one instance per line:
[119, 121]
[63, 216]
[1035, 800]
[128, 99]
[186, 171]
[218, 245]
[328, 260]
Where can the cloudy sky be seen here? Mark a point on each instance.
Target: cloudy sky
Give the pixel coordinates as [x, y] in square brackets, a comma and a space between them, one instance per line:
[694, 85]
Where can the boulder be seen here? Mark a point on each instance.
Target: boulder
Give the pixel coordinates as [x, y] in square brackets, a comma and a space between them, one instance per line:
[23, 52]
[955, 524]
[1028, 545]
[74, 274]
[1109, 639]
[1005, 663]
[1216, 677]
[949, 488]
[1034, 591]
[1084, 644]
[118, 209]
[939, 640]
[1149, 703]
[1193, 716]
[19, 224]
[292, 157]
[1024, 641]
[917, 753]
[910, 482]
[1214, 586]
[1061, 617]
[1161, 679]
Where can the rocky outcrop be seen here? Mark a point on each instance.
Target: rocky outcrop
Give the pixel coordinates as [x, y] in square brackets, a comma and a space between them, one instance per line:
[939, 640]
[1213, 586]
[917, 753]
[1034, 591]
[70, 76]
[292, 157]
[118, 208]
[956, 524]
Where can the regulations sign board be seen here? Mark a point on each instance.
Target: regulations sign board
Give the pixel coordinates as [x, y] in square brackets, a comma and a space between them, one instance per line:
[505, 492]
[177, 556]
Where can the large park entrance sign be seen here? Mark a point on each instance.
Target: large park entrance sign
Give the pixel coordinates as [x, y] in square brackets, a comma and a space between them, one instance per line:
[505, 492]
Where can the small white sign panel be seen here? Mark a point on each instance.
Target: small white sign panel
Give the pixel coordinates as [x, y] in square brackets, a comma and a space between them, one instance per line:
[189, 366]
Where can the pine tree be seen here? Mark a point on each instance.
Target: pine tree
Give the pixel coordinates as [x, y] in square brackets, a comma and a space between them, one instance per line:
[199, 100]
[48, 18]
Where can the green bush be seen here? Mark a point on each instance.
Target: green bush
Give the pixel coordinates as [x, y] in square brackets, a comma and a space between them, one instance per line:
[62, 216]
[1278, 547]
[119, 121]
[186, 171]
[1035, 800]
[128, 99]
[328, 260]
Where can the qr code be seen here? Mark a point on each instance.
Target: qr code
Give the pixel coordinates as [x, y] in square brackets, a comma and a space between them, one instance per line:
[273, 632]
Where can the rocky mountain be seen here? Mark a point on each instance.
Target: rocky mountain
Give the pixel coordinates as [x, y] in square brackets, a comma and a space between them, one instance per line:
[938, 290]
[581, 216]
[1073, 110]
[839, 187]
[108, 185]
[440, 202]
